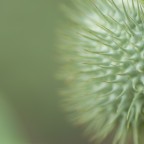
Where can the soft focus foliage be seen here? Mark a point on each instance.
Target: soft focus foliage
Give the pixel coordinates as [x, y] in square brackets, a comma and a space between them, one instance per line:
[10, 132]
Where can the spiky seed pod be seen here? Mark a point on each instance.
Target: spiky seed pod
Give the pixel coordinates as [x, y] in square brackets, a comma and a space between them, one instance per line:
[103, 53]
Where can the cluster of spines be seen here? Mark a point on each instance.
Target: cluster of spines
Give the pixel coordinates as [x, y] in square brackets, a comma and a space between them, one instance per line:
[106, 71]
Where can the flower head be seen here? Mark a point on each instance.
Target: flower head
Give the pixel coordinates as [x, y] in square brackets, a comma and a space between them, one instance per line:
[103, 55]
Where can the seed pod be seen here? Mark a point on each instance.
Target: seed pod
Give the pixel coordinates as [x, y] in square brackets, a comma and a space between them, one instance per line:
[103, 54]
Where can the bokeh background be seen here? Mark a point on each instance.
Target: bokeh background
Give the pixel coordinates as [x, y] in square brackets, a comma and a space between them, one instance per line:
[27, 74]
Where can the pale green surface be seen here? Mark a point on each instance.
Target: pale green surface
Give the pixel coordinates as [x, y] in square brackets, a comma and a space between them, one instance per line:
[10, 132]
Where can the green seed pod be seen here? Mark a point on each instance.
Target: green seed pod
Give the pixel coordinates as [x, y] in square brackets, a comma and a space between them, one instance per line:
[103, 54]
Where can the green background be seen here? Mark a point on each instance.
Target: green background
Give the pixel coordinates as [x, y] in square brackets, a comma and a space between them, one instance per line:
[28, 67]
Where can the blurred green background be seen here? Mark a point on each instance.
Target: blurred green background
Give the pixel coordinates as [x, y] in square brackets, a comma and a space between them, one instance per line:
[28, 67]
